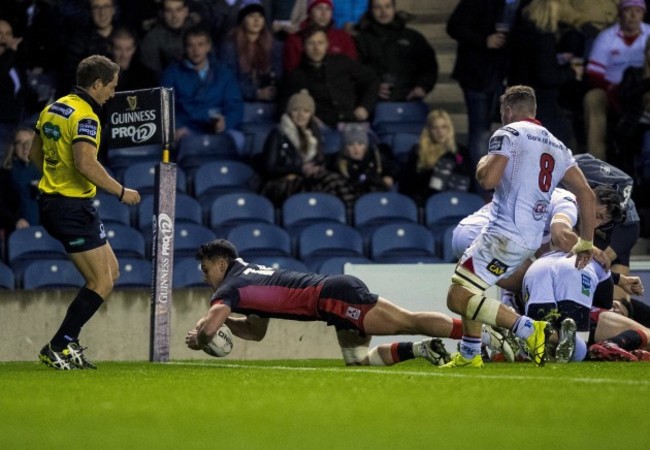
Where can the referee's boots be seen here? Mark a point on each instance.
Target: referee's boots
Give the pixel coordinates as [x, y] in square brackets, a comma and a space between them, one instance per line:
[57, 360]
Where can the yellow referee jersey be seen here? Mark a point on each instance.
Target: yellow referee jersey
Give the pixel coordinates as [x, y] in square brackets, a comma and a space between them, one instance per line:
[70, 119]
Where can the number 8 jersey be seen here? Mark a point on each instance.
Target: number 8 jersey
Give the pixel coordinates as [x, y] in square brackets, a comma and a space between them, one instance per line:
[537, 161]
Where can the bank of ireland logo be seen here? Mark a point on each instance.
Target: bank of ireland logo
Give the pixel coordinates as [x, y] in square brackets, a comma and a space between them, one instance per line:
[132, 101]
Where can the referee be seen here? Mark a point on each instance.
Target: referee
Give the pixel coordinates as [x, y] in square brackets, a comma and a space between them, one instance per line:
[65, 149]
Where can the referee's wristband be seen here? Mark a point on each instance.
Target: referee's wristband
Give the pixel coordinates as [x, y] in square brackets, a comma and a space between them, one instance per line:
[121, 194]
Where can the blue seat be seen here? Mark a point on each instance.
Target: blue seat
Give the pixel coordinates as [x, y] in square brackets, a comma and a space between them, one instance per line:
[255, 135]
[61, 274]
[322, 241]
[188, 237]
[219, 177]
[187, 273]
[332, 141]
[401, 239]
[336, 265]
[111, 210]
[375, 209]
[401, 144]
[399, 117]
[121, 158]
[187, 210]
[125, 241]
[141, 177]
[30, 244]
[230, 210]
[307, 208]
[411, 259]
[7, 278]
[447, 248]
[196, 150]
[134, 273]
[260, 239]
[280, 262]
[260, 112]
[447, 208]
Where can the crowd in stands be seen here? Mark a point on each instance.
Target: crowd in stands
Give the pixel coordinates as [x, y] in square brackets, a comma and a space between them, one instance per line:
[325, 66]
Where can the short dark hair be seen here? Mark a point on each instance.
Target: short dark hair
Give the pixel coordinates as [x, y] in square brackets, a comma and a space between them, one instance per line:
[218, 248]
[196, 30]
[312, 30]
[609, 197]
[96, 67]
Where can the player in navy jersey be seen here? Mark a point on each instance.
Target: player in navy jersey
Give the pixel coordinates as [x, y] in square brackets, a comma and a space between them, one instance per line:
[343, 301]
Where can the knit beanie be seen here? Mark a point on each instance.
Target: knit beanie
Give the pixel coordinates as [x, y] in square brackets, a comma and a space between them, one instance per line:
[312, 3]
[355, 134]
[301, 99]
[250, 6]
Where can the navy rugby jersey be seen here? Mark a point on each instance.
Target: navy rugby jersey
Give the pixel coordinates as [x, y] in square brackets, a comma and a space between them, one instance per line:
[267, 292]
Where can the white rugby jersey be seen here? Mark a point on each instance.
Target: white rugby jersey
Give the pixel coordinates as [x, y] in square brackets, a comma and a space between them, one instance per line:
[537, 161]
[611, 54]
[562, 202]
[553, 277]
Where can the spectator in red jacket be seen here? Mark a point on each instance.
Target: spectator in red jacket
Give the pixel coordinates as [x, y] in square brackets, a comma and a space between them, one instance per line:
[319, 14]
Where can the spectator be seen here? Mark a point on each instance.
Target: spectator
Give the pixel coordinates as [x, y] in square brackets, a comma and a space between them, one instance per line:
[344, 90]
[163, 45]
[437, 162]
[481, 64]
[292, 158]
[365, 166]
[534, 62]
[133, 74]
[253, 54]
[615, 49]
[13, 84]
[400, 57]
[24, 177]
[208, 99]
[222, 16]
[319, 15]
[93, 39]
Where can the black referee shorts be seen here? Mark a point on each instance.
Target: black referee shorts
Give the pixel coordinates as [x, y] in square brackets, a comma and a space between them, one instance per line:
[72, 221]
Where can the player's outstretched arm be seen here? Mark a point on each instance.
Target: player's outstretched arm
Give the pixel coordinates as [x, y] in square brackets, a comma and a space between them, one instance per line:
[249, 328]
[576, 182]
[207, 326]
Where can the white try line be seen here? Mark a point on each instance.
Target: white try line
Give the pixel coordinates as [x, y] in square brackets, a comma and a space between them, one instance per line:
[435, 372]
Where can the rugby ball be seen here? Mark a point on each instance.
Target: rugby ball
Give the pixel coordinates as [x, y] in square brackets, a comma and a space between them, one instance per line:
[221, 344]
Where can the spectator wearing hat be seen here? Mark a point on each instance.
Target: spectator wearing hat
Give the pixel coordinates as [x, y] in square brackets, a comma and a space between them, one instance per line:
[223, 16]
[399, 56]
[364, 165]
[253, 54]
[437, 162]
[344, 90]
[208, 99]
[615, 49]
[163, 44]
[292, 159]
[319, 14]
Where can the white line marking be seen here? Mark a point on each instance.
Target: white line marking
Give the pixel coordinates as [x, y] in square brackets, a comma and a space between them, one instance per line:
[444, 373]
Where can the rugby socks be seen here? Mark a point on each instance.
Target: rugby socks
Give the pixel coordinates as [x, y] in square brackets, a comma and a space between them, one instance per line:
[456, 329]
[470, 346]
[82, 308]
[403, 351]
[630, 340]
[523, 327]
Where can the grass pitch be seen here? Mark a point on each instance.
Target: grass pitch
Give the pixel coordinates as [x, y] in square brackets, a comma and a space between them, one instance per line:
[321, 404]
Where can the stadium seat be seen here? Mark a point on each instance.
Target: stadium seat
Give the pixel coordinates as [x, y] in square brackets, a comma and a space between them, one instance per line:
[447, 250]
[125, 241]
[111, 210]
[307, 208]
[141, 177]
[401, 144]
[30, 244]
[401, 239]
[121, 158]
[411, 259]
[188, 210]
[7, 278]
[187, 273]
[196, 150]
[322, 241]
[61, 274]
[220, 177]
[280, 262]
[399, 117]
[332, 141]
[260, 112]
[259, 119]
[336, 265]
[134, 273]
[260, 239]
[230, 210]
[448, 208]
[188, 237]
[375, 209]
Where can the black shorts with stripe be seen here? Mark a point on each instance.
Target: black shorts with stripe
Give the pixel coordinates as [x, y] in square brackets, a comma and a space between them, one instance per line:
[72, 221]
[344, 302]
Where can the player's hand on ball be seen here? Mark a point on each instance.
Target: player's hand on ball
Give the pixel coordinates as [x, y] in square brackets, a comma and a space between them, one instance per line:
[192, 340]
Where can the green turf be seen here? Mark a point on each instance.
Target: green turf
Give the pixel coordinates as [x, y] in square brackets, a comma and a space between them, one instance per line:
[320, 404]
